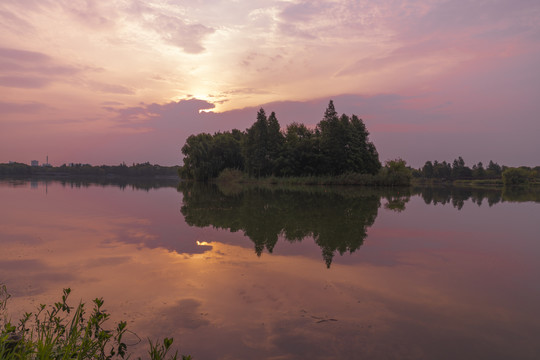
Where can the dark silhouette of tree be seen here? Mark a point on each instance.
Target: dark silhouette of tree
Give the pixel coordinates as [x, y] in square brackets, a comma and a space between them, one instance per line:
[478, 171]
[205, 155]
[256, 146]
[300, 154]
[459, 170]
[275, 144]
[338, 145]
[493, 170]
[345, 145]
[427, 170]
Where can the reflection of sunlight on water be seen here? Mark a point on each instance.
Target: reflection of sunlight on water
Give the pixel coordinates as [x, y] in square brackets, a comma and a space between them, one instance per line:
[203, 243]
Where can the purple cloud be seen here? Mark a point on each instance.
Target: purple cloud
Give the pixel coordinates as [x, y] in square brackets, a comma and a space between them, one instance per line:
[14, 23]
[30, 69]
[23, 55]
[173, 29]
[24, 82]
[110, 88]
[23, 61]
[11, 108]
[416, 128]
[304, 11]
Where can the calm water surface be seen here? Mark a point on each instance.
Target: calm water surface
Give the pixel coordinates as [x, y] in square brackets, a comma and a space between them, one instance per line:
[283, 274]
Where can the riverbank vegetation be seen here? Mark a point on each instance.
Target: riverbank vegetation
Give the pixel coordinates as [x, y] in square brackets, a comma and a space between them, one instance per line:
[60, 331]
[394, 173]
[336, 151]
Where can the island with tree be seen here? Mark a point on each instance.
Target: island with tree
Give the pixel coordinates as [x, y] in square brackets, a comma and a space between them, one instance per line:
[337, 150]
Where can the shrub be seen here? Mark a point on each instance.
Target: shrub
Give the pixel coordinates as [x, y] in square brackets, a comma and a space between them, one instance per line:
[231, 176]
[516, 177]
[395, 173]
[62, 332]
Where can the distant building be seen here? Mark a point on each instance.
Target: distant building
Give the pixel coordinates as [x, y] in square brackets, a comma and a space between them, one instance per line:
[34, 163]
[47, 162]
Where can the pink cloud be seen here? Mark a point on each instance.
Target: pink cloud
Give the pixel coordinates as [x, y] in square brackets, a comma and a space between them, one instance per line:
[12, 108]
[23, 55]
[172, 28]
[24, 82]
[31, 70]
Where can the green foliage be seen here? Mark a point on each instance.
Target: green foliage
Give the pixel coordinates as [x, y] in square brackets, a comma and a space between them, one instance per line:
[260, 149]
[205, 155]
[231, 176]
[395, 173]
[159, 351]
[459, 171]
[517, 177]
[478, 171]
[300, 155]
[61, 332]
[345, 146]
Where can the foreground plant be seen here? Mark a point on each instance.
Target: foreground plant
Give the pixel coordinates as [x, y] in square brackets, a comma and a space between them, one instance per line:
[62, 332]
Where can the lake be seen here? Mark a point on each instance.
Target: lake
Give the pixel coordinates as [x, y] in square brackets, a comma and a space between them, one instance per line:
[297, 273]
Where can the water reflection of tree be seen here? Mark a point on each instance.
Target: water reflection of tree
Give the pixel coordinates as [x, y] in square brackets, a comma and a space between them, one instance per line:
[457, 196]
[450, 195]
[336, 218]
[86, 182]
[338, 223]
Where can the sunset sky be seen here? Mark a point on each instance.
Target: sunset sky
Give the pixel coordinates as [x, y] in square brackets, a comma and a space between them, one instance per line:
[104, 82]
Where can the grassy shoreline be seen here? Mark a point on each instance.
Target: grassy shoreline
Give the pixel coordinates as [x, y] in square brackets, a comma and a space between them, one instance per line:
[384, 179]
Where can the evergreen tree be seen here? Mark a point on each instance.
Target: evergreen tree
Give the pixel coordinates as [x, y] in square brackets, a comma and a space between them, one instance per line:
[459, 170]
[256, 146]
[345, 145]
[494, 170]
[427, 170]
[274, 145]
[299, 155]
[337, 145]
[333, 142]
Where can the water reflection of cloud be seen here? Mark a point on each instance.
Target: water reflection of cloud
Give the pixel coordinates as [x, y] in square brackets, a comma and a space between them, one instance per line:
[427, 301]
[31, 276]
[107, 261]
[185, 314]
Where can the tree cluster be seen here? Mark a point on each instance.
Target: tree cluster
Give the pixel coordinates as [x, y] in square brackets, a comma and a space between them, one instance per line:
[457, 170]
[510, 176]
[337, 145]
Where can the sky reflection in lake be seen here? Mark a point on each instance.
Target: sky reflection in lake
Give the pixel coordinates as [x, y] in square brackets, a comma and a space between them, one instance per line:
[426, 282]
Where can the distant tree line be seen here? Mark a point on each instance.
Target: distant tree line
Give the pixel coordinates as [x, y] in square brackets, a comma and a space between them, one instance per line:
[337, 145]
[122, 170]
[457, 170]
